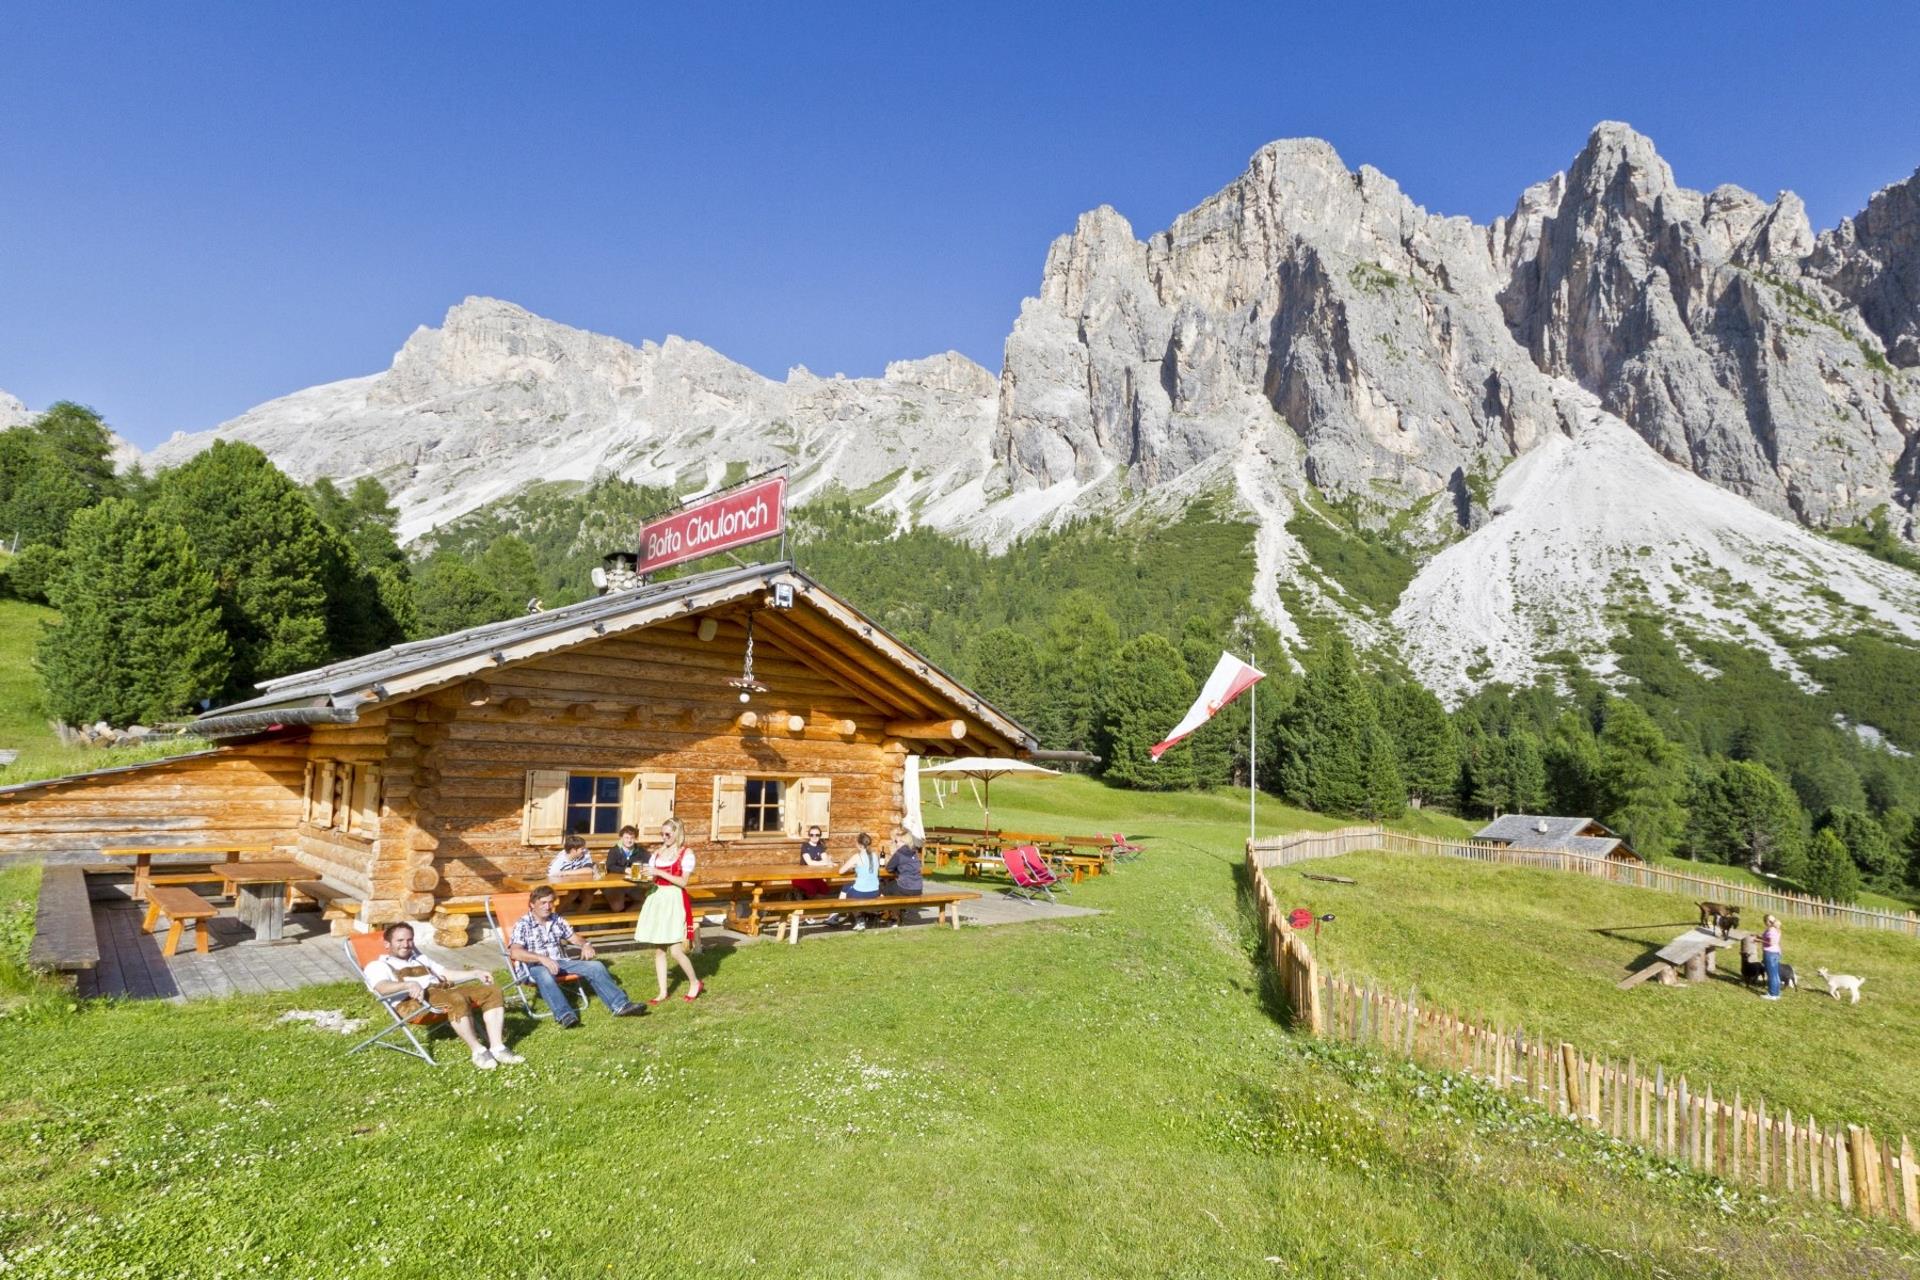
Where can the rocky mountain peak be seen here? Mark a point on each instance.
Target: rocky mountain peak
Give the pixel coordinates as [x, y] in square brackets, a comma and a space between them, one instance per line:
[12, 412]
[1873, 260]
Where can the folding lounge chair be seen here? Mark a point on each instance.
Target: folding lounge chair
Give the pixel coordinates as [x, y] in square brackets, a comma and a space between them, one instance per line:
[1032, 877]
[362, 950]
[1123, 849]
[503, 912]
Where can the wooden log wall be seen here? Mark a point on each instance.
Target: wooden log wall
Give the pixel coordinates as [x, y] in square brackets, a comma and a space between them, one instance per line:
[1743, 1141]
[247, 795]
[655, 702]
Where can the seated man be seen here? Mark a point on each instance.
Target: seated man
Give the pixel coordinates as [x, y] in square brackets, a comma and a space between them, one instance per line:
[538, 951]
[454, 992]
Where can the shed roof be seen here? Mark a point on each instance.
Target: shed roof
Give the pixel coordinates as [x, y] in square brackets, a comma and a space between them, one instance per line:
[1534, 831]
[340, 690]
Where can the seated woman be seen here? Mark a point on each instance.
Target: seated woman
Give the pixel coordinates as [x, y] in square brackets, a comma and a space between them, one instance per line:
[903, 878]
[865, 866]
[813, 853]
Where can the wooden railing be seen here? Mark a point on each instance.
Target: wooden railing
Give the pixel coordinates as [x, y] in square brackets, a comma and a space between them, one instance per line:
[1740, 1141]
[1281, 851]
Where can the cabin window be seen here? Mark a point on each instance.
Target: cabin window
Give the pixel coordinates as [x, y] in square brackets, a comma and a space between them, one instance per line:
[593, 804]
[765, 797]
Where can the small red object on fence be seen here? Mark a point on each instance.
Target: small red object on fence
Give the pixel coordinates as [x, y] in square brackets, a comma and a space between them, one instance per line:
[1300, 918]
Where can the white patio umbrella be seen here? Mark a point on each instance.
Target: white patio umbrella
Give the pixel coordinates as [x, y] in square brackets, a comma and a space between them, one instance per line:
[986, 769]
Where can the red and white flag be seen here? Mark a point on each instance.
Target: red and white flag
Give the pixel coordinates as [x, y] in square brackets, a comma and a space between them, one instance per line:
[1231, 678]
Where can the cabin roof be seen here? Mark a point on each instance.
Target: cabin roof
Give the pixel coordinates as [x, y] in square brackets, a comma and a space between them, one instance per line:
[1536, 831]
[337, 692]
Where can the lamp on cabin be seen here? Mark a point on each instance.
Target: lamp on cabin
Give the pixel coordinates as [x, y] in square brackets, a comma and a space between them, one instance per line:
[744, 682]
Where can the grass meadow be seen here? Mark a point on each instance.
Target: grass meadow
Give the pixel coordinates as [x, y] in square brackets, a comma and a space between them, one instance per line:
[23, 720]
[1543, 950]
[1108, 1095]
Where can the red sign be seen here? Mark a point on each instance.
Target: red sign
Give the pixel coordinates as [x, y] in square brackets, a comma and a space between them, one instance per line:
[722, 523]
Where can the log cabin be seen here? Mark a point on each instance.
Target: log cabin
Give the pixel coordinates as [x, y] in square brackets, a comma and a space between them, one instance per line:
[415, 778]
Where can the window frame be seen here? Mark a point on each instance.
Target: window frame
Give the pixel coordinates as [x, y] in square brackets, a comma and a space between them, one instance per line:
[595, 805]
[749, 808]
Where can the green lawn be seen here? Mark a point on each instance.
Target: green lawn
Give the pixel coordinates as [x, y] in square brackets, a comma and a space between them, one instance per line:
[1105, 1096]
[1544, 949]
[23, 720]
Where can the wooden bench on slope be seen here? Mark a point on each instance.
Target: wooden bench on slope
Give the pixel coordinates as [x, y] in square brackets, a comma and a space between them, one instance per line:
[63, 938]
[947, 905]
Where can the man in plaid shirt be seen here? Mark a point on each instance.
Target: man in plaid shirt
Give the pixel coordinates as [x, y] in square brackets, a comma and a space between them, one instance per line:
[537, 948]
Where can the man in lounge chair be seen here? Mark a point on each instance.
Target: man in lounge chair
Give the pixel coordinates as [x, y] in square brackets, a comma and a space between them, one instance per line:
[454, 992]
[538, 951]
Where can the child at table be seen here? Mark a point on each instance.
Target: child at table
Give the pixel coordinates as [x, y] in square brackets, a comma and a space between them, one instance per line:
[572, 860]
[624, 859]
[666, 921]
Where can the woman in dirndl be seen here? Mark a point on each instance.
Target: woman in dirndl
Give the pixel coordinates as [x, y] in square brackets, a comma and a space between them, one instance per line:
[666, 919]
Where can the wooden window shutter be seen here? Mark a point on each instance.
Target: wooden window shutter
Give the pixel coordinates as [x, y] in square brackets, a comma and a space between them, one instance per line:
[646, 802]
[322, 815]
[343, 779]
[306, 795]
[366, 800]
[729, 807]
[816, 800]
[545, 818]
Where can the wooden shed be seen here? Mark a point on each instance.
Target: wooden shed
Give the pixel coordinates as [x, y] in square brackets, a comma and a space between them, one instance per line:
[420, 775]
[1569, 835]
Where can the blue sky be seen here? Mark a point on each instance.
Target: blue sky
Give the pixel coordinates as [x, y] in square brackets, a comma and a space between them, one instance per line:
[206, 207]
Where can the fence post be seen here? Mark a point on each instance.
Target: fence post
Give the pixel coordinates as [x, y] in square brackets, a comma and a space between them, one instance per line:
[1909, 1185]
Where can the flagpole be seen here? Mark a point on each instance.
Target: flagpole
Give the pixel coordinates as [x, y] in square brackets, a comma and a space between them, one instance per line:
[1253, 718]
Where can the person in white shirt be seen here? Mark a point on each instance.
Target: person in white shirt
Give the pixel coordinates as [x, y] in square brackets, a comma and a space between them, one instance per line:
[455, 992]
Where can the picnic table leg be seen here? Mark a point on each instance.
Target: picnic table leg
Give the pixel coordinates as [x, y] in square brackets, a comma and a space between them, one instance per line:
[263, 908]
[153, 918]
[142, 872]
[200, 936]
[172, 943]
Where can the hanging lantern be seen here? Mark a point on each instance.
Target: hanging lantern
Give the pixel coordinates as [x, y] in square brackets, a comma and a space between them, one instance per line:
[744, 682]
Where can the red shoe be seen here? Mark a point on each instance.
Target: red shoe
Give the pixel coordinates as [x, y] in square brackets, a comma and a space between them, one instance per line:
[658, 1000]
[694, 994]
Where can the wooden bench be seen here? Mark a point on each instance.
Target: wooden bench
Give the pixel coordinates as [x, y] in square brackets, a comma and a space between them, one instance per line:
[180, 907]
[947, 906]
[63, 938]
[334, 904]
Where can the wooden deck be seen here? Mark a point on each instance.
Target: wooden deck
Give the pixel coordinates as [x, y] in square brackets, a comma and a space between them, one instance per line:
[132, 967]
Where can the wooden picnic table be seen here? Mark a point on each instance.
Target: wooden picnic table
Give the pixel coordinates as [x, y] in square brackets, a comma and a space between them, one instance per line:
[259, 891]
[709, 884]
[143, 869]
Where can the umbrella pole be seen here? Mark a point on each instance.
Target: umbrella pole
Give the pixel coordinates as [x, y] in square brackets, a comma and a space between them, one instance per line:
[986, 807]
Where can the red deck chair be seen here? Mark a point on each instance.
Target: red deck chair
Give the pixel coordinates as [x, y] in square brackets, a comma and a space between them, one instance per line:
[503, 912]
[1032, 877]
[362, 950]
[1123, 849]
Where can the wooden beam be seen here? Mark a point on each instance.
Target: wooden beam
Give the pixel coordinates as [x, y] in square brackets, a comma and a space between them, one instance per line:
[748, 720]
[951, 729]
[708, 629]
[516, 706]
[812, 654]
[476, 693]
[914, 695]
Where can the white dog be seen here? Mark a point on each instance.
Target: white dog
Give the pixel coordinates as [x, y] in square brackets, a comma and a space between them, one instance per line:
[1842, 982]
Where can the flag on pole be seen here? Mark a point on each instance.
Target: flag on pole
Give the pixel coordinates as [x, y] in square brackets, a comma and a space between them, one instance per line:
[1231, 678]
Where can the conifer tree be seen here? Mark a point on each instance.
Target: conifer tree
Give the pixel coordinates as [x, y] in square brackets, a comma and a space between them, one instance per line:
[1333, 756]
[1146, 692]
[1640, 781]
[1572, 759]
[1742, 813]
[1830, 869]
[82, 446]
[1005, 669]
[1081, 640]
[38, 494]
[1526, 774]
[268, 551]
[451, 595]
[1428, 752]
[139, 635]
[1865, 842]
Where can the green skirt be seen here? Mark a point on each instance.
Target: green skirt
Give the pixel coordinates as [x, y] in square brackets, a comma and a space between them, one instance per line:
[663, 917]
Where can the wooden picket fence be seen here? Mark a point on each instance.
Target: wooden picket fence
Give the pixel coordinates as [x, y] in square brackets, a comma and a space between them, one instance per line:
[1280, 851]
[1743, 1142]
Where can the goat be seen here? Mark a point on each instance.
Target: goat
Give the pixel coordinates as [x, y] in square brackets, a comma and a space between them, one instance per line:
[1843, 982]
